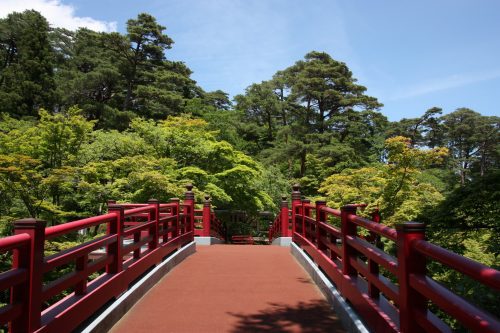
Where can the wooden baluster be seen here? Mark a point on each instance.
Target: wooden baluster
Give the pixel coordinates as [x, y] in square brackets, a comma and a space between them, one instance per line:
[320, 218]
[410, 262]
[154, 214]
[296, 205]
[31, 320]
[175, 212]
[348, 229]
[115, 249]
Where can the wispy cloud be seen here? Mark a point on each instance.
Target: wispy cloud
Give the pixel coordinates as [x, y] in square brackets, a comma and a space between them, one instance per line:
[445, 83]
[58, 14]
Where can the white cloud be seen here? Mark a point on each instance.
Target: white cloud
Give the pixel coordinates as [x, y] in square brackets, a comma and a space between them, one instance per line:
[58, 14]
[440, 84]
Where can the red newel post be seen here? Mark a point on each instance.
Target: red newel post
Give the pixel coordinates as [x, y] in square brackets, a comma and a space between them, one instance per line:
[284, 217]
[155, 229]
[410, 262]
[176, 213]
[296, 205]
[189, 202]
[347, 229]
[115, 249]
[36, 229]
[207, 211]
[320, 217]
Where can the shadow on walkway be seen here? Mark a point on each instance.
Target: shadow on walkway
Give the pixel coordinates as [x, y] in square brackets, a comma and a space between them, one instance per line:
[311, 317]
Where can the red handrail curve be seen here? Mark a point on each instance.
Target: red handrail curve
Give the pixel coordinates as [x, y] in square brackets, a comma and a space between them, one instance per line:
[163, 227]
[353, 264]
[275, 229]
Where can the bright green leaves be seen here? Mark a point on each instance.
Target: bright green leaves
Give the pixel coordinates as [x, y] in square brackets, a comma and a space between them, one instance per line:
[62, 136]
[213, 166]
[394, 188]
[58, 168]
[362, 185]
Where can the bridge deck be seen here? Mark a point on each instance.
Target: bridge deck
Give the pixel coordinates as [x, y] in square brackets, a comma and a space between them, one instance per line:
[233, 288]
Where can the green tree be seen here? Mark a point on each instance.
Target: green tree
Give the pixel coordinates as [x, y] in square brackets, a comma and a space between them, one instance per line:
[261, 106]
[88, 75]
[26, 64]
[141, 50]
[472, 140]
[309, 113]
[425, 131]
[395, 187]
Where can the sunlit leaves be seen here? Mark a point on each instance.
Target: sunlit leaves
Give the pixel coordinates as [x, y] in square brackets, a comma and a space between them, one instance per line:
[394, 187]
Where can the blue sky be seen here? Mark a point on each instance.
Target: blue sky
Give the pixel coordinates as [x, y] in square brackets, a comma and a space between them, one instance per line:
[411, 55]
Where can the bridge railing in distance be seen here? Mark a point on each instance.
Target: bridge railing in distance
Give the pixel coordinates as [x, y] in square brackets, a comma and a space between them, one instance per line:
[391, 293]
[281, 226]
[217, 228]
[57, 292]
[206, 222]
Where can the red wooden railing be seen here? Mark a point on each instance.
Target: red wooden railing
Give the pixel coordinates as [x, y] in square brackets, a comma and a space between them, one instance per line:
[206, 222]
[135, 238]
[281, 225]
[390, 293]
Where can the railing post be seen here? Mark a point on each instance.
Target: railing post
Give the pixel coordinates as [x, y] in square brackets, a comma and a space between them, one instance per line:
[115, 249]
[410, 262]
[347, 229]
[296, 204]
[206, 216]
[285, 229]
[189, 201]
[320, 217]
[373, 267]
[175, 212]
[81, 266]
[306, 212]
[36, 229]
[155, 229]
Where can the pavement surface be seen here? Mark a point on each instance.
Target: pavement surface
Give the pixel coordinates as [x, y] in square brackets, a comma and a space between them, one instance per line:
[233, 288]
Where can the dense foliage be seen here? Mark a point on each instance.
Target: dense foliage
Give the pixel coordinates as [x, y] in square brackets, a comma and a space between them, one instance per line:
[87, 117]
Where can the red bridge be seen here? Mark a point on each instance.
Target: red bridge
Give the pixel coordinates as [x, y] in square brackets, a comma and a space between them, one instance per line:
[102, 284]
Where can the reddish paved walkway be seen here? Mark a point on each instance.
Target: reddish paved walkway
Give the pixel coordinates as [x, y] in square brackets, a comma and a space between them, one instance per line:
[233, 288]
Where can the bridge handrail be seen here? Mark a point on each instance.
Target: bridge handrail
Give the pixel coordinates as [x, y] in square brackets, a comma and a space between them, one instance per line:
[377, 228]
[13, 242]
[352, 262]
[106, 255]
[61, 229]
[207, 223]
[275, 228]
[477, 271]
[217, 228]
[281, 224]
